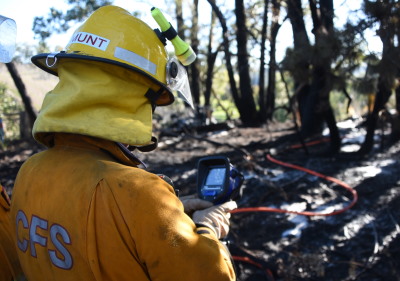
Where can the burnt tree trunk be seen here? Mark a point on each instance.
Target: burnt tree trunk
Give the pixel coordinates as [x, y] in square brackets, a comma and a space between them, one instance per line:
[261, 81]
[248, 113]
[270, 102]
[395, 135]
[194, 67]
[179, 19]
[302, 49]
[387, 74]
[232, 82]
[31, 113]
[318, 106]
[211, 57]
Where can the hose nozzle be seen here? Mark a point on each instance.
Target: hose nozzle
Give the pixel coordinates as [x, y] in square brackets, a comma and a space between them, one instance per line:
[183, 51]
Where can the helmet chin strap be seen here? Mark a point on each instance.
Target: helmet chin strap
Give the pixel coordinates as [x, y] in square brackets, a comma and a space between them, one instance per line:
[149, 147]
[153, 96]
[126, 150]
[143, 148]
[129, 154]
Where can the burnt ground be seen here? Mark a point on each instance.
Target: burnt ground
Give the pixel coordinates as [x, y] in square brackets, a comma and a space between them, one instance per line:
[362, 243]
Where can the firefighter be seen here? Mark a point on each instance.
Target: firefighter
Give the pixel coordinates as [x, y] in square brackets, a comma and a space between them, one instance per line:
[84, 209]
[10, 268]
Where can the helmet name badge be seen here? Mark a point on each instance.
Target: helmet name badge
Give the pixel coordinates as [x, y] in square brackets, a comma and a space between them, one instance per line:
[89, 39]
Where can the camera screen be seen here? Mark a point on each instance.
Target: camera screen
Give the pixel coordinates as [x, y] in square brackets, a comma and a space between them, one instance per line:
[215, 176]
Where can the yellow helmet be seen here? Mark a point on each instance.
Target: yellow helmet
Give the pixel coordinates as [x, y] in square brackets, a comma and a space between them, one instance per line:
[112, 35]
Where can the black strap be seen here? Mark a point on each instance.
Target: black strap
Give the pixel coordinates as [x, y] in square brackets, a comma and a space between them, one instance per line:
[130, 155]
[149, 147]
[160, 36]
[170, 33]
[153, 96]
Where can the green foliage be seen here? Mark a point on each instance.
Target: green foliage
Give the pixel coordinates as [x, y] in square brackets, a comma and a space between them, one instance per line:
[221, 99]
[10, 108]
[58, 21]
[339, 104]
[23, 53]
[282, 110]
[345, 50]
[224, 110]
[8, 104]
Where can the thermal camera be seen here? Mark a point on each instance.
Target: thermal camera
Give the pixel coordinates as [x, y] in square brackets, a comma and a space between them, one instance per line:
[217, 180]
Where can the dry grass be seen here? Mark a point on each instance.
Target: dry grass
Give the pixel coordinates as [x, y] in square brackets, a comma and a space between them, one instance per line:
[37, 82]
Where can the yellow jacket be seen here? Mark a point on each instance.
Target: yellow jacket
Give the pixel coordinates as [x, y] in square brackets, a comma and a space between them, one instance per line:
[83, 211]
[10, 268]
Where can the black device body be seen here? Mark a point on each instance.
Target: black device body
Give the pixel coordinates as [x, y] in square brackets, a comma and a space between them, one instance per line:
[217, 180]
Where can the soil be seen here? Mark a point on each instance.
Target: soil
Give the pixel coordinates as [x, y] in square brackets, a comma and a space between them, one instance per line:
[362, 243]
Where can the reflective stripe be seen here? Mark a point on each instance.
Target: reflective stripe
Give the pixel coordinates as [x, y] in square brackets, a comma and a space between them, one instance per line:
[135, 59]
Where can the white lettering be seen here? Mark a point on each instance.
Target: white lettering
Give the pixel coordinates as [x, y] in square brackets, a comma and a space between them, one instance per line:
[22, 245]
[36, 238]
[90, 40]
[60, 256]
[65, 263]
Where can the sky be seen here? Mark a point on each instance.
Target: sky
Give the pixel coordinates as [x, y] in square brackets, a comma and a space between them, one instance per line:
[24, 11]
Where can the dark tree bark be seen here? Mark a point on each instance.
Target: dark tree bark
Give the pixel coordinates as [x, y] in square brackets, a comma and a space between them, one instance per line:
[385, 87]
[248, 108]
[211, 57]
[194, 67]
[22, 91]
[275, 26]
[398, 99]
[302, 47]
[388, 67]
[179, 19]
[395, 135]
[261, 83]
[318, 106]
[232, 82]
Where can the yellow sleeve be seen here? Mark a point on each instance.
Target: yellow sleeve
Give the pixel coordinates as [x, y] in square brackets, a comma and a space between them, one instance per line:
[168, 243]
[9, 264]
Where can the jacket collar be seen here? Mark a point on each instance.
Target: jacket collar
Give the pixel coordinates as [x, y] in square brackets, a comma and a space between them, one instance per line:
[117, 150]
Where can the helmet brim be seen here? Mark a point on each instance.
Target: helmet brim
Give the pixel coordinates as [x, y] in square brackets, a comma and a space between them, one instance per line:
[40, 61]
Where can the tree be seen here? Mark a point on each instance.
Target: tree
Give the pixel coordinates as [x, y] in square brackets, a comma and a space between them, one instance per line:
[313, 74]
[180, 23]
[211, 58]
[194, 67]
[275, 25]
[386, 13]
[298, 59]
[242, 96]
[58, 21]
[261, 80]
[247, 107]
[322, 84]
[226, 46]
[31, 113]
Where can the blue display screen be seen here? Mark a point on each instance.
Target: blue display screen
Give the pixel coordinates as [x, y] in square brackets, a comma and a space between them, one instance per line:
[215, 176]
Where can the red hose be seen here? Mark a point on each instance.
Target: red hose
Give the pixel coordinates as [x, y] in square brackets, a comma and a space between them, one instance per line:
[306, 213]
[250, 261]
[310, 143]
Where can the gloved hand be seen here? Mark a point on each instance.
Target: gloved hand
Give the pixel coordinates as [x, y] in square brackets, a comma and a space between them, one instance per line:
[192, 203]
[216, 218]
